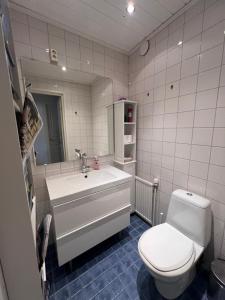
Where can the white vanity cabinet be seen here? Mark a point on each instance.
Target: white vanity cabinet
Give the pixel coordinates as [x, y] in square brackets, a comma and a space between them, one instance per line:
[98, 207]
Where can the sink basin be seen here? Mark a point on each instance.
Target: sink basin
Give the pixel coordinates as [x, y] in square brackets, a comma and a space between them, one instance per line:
[91, 178]
[69, 187]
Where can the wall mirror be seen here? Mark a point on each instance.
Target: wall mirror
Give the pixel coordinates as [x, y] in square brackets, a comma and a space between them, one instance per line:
[76, 108]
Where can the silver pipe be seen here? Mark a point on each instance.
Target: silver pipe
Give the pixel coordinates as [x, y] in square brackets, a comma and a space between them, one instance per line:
[144, 181]
[154, 193]
[161, 217]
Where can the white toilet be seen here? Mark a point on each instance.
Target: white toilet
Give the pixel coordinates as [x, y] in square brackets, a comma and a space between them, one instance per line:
[171, 250]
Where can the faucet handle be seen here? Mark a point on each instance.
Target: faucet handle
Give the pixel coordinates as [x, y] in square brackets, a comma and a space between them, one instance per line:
[77, 152]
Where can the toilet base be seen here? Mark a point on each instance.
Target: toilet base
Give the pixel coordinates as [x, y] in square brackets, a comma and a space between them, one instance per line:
[174, 287]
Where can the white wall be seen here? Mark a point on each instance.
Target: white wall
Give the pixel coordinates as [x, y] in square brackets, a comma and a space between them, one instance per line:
[101, 93]
[32, 37]
[181, 131]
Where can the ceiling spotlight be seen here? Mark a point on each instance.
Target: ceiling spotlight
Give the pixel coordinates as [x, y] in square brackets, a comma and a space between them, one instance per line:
[130, 8]
[179, 43]
[64, 68]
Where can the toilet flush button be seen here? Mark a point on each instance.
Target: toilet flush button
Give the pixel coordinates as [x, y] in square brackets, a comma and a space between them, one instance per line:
[189, 194]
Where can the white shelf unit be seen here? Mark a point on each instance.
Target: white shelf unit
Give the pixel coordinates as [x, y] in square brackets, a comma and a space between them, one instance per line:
[18, 252]
[123, 127]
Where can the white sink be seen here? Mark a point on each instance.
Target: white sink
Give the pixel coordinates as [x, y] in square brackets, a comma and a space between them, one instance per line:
[79, 185]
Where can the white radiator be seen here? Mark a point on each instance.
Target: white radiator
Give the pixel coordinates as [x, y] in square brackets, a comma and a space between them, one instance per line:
[144, 190]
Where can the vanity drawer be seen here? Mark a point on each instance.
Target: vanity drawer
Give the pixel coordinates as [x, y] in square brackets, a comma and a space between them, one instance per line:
[78, 241]
[74, 214]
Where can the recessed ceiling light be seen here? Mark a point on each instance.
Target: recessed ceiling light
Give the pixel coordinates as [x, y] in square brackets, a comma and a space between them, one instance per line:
[179, 43]
[64, 68]
[130, 8]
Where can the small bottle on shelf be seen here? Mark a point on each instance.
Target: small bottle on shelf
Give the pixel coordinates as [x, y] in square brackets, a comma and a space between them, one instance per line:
[96, 165]
[130, 114]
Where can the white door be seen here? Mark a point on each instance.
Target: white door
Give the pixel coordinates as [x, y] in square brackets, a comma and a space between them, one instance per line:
[3, 293]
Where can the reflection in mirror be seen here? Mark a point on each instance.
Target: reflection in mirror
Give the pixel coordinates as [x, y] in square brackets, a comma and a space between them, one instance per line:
[76, 108]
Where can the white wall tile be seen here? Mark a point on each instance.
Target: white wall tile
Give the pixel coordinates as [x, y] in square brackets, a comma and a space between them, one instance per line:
[39, 38]
[56, 31]
[188, 85]
[23, 50]
[200, 153]
[18, 16]
[192, 47]
[221, 97]
[168, 162]
[219, 137]
[218, 156]
[213, 36]
[173, 73]
[184, 135]
[215, 191]
[209, 79]
[180, 179]
[211, 58]
[57, 43]
[214, 14]
[37, 24]
[193, 27]
[181, 165]
[174, 56]
[159, 93]
[187, 103]
[202, 136]
[171, 105]
[20, 32]
[217, 174]
[222, 78]
[185, 119]
[168, 148]
[169, 135]
[170, 120]
[204, 118]
[198, 169]
[194, 10]
[197, 185]
[206, 99]
[172, 90]
[190, 66]
[183, 151]
[158, 108]
[220, 117]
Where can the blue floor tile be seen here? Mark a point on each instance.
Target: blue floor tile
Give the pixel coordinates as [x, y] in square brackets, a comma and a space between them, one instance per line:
[112, 270]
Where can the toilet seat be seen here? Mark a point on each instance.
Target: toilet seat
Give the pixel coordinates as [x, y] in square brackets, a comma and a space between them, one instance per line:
[166, 250]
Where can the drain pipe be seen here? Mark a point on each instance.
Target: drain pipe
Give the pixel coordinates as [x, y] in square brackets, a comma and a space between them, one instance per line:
[154, 192]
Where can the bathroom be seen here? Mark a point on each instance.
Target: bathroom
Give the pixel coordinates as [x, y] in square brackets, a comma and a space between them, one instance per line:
[118, 190]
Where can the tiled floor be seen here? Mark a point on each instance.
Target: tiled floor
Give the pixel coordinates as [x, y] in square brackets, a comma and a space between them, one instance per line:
[112, 270]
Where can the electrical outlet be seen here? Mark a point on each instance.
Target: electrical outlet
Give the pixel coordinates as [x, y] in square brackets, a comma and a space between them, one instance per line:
[53, 55]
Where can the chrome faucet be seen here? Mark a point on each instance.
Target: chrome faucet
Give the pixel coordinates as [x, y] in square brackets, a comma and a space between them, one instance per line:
[83, 156]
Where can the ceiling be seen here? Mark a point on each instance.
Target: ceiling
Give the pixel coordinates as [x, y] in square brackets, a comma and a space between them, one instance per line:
[105, 21]
[34, 68]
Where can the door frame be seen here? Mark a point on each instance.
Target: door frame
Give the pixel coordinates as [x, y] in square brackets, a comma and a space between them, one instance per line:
[62, 115]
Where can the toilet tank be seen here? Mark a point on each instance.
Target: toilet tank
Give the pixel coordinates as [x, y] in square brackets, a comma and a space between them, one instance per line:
[191, 215]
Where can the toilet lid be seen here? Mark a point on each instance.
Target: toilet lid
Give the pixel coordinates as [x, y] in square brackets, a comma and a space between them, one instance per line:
[166, 248]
